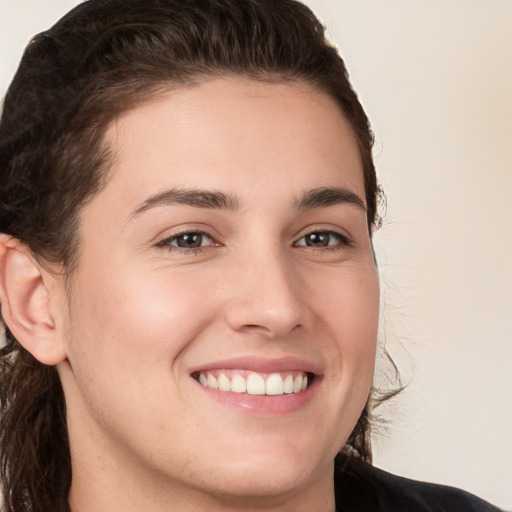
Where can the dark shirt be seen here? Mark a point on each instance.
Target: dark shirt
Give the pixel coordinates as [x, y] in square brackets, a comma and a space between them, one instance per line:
[361, 487]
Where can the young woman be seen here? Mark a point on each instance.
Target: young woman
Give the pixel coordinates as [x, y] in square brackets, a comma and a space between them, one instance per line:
[187, 279]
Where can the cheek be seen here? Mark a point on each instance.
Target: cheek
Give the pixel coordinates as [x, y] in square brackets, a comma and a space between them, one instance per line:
[349, 309]
[139, 320]
[361, 318]
[348, 303]
[127, 339]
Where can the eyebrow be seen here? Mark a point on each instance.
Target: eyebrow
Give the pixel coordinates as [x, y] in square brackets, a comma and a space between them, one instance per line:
[328, 196]
[211, 199]
[197, 198]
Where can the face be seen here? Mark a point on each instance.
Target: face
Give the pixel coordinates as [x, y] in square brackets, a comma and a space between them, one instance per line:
[222, 320]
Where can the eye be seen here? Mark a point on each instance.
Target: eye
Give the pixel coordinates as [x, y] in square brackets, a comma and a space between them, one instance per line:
[321, 239]
[188, 240]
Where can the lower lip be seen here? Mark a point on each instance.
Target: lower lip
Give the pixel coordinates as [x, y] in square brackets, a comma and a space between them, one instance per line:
[263, 404]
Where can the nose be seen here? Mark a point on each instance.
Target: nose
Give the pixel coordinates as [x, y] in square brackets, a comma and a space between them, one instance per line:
[265, 297]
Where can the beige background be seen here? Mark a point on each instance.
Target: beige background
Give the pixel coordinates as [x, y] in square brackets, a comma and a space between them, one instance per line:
[436, 80]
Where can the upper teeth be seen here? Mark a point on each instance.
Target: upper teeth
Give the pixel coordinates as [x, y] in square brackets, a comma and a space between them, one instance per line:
[256, 383]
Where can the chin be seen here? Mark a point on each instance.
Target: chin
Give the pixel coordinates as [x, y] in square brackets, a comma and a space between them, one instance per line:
[267, 469]
[261, 480]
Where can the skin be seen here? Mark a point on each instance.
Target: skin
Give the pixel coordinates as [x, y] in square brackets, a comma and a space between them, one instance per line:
[142, 314]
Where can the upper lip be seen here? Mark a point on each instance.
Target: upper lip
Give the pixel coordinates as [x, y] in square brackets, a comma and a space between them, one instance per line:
[261, 364]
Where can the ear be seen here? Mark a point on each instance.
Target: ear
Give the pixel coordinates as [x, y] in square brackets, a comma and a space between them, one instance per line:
[26, 293]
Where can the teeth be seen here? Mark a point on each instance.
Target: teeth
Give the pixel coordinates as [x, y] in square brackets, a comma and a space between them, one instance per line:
[212, 382]
[288, 384]
[224, 383]
[297, 384]
[238, 384]
[274, 385]
[256, 384]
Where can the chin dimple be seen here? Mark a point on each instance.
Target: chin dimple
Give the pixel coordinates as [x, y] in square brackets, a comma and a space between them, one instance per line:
[273, 384]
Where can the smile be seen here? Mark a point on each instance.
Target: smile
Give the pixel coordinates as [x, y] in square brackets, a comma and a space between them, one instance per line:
[254, 383]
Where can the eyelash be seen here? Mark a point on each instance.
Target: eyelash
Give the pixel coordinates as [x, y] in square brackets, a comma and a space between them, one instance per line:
[167, 242]
[343, 242]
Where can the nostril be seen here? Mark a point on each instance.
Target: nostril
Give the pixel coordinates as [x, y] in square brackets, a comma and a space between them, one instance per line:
[266, 308]
[270, 330]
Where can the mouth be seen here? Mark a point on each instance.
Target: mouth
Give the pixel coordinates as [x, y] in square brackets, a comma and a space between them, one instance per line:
[265, 387]
[249, 382]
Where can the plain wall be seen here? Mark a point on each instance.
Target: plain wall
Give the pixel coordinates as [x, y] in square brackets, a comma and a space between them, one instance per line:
[436, 80]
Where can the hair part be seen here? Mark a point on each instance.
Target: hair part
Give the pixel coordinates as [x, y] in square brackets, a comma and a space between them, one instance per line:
[100, 60]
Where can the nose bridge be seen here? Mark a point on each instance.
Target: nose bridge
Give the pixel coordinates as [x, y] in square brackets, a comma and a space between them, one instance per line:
[265, 293]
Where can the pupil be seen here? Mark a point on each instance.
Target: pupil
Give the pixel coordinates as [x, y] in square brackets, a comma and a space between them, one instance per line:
[318, 240]
[190, 240]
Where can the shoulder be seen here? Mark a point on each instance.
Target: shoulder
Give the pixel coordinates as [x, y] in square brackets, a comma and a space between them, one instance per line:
[361, 487]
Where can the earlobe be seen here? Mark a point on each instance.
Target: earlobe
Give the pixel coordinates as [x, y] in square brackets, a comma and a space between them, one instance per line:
[25, 299]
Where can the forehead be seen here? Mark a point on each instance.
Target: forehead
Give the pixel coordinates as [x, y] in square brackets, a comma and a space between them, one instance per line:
[234, 134]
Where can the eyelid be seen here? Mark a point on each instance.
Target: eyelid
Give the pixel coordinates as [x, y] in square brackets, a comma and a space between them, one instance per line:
[341, 244]
[183, 228]
[345, 239]
[166, 241]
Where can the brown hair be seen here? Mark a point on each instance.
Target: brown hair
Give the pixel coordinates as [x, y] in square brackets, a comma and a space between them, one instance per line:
[102, 58]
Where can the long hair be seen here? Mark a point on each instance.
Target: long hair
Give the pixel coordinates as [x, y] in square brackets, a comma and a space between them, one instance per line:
[101, 59]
